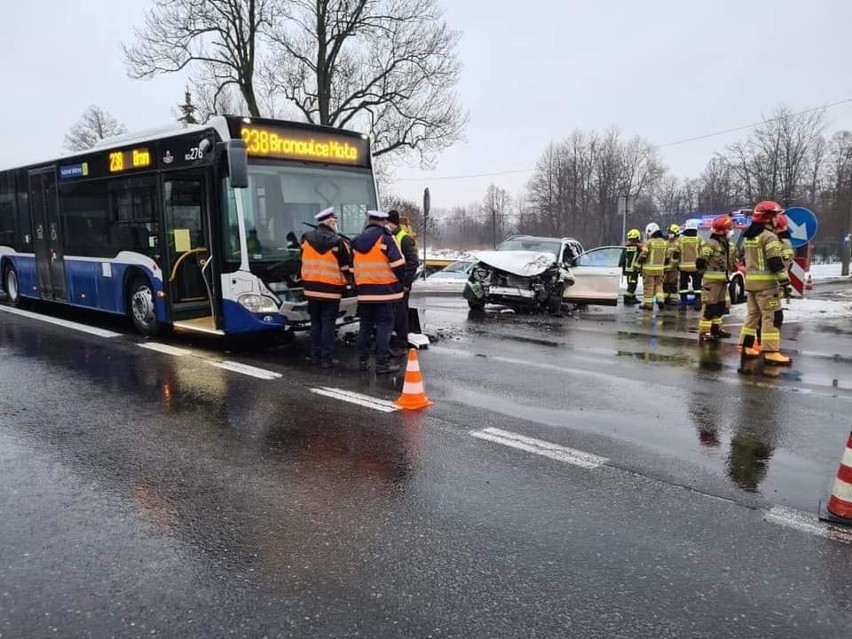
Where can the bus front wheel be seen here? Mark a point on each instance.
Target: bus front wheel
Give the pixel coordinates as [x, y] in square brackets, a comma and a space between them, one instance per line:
[10, 283]
[142, 309]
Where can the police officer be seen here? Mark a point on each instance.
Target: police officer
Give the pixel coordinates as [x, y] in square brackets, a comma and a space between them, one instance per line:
[690, 250]
[765, 281]
[325, 264]
[379, 275]
[720, 260]
[652, 257]
[670, 273]
[409, 252]
[629, 267]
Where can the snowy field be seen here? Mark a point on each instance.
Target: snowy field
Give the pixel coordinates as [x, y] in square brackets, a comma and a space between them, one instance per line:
[825, 271]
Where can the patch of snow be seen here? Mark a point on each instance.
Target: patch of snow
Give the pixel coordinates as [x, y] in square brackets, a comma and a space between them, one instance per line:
[802, 310]
[825, 271]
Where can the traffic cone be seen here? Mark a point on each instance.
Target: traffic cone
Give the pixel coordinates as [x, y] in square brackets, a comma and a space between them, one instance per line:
[838, 510]
[413, 396]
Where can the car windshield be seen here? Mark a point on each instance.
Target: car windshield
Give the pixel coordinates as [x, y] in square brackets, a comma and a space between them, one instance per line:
[280, 199]
[532, 244]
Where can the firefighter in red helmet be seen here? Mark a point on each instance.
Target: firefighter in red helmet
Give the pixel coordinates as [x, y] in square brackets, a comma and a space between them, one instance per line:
[765, 282]
[720, 260]
[780, 224]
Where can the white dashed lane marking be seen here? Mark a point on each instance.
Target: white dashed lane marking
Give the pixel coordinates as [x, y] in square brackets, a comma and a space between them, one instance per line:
[91, 330]
[245, 369]
[165, 348]
[807, 523]
[352, 397]
[541, 447]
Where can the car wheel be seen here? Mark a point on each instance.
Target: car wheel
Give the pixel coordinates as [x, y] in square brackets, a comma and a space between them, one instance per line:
[476, 305]
[141, 306]
[10, 283]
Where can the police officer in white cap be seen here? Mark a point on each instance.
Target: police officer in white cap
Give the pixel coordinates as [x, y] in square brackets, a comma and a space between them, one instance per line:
[379, 274]
[325, 264]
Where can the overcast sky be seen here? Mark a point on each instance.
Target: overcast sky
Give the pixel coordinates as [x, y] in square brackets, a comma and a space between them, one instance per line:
[663, 69]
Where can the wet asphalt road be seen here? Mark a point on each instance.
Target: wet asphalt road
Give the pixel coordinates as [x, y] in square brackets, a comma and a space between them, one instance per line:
[156, 493]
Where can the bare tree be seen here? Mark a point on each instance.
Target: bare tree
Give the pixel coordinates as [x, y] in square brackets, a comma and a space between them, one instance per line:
[213, 99]
[221, 36]
[496, 208]
[95, 124]
[385, 66]
[778, 160]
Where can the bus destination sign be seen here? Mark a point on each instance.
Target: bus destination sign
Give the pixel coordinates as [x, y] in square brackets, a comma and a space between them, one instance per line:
[129, 159]
[298, 144]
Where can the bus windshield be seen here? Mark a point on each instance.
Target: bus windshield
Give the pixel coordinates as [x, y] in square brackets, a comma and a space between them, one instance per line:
[281, 198]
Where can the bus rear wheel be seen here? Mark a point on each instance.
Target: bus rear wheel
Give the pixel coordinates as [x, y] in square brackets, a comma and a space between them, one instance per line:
[143, 311]
[10, 284]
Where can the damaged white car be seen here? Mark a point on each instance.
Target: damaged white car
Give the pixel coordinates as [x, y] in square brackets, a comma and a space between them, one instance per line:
[544, 273]
[524, 271]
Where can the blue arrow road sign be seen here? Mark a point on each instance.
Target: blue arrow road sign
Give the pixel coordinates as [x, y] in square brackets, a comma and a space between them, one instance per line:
[802, 224]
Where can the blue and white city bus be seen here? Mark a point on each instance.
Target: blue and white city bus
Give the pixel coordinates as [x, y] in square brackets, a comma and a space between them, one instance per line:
[196, 228]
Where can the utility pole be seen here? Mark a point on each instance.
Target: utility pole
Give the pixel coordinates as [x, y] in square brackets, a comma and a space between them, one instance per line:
[626, 200]
[493, 205]
[427, 204]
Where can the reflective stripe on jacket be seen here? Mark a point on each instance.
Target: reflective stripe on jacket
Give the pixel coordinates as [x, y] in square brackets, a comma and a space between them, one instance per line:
[787, 252]
[374, 266]
[628, 258]
[673, 254]
[322, 275]
[655, 251]
[690, 249]
[758, 251]
[721, 260]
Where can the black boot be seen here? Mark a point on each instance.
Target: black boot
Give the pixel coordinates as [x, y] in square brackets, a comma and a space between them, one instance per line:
[387, 368]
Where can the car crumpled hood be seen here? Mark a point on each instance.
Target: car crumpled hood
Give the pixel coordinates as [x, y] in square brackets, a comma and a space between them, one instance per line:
[523, 263]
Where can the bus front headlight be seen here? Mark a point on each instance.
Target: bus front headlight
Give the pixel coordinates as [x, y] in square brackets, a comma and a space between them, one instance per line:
[257, 303]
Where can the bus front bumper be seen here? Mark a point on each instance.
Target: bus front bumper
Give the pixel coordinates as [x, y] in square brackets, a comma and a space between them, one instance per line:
[297, 316]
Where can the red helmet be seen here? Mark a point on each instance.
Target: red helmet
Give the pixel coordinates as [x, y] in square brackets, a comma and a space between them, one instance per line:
[765, 211]
[780, 222]
[721, 225]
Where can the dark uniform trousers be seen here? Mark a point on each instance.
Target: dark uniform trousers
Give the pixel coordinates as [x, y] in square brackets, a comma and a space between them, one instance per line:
[376, 317]
[323, 319]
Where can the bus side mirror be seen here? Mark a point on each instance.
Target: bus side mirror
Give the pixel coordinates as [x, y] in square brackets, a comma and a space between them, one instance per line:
[237, 163]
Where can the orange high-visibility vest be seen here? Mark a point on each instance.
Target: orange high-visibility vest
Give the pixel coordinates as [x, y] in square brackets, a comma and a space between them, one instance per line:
[322, 276]
[374, 276]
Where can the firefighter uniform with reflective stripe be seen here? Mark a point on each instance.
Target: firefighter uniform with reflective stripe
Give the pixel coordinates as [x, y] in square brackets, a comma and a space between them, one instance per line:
[379, 269]
[690, 251]
[653, 261]
[787, 256]
[630, 269]
[721, 261]
[766, 278]
[670, 273]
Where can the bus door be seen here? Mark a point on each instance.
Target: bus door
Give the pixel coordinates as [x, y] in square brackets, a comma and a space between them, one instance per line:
[191, 285]
[50, 259]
